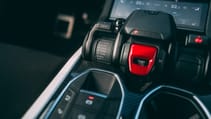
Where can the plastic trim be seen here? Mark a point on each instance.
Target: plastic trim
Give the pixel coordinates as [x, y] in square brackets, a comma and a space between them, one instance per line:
[122, 90]
[93, 93]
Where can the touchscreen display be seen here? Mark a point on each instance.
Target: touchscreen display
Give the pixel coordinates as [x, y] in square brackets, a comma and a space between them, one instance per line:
[186, 14]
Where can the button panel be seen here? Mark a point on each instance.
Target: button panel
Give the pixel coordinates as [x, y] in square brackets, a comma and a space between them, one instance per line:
[63, 105]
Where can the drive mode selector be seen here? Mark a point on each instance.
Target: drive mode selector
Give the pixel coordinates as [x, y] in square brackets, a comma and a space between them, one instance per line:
[141, 46]
[148, 47]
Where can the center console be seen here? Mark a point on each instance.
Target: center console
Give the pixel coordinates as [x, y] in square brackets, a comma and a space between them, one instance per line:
[144, 59]
[93, 94]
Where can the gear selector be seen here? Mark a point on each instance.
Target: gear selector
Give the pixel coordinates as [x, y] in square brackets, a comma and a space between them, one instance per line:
[147, 45]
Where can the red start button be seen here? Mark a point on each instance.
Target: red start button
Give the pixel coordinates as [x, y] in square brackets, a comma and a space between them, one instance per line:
[141, 59]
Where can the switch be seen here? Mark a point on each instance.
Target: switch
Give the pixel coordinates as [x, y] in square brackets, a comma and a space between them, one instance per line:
[141, 62]
[59, 112]
[141, 59]
[68, 96]
[196, 40]
[63, 105]
[89, 101]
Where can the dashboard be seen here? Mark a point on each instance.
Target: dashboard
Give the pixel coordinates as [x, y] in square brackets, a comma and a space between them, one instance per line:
[132, 64]
[187, 15]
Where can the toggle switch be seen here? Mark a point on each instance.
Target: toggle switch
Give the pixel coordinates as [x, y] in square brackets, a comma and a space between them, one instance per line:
[141, 62]
[196, 40]
[141, 59]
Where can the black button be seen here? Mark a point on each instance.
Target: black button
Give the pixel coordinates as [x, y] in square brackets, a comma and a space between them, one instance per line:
[81, 114]
[68, 96]
[58, 112]
[63, 105]
[89, 101]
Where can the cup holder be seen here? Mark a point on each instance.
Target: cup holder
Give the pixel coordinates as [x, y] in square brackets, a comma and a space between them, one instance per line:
[171, 103]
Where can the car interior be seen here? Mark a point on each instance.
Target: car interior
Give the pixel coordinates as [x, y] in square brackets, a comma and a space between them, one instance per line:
[105, 59]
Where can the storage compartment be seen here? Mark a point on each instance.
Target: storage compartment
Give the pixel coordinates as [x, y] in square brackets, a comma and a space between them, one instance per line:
[93, 94]
[99, 83]
[171, 104]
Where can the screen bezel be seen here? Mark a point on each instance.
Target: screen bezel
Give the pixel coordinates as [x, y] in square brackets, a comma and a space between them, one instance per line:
[200, 28]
